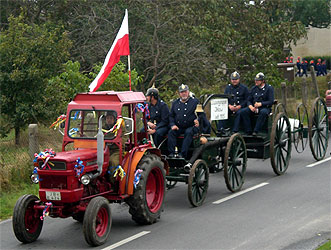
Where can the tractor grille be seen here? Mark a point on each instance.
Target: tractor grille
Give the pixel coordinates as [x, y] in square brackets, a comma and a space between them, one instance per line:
[57, 165]
[53, 181]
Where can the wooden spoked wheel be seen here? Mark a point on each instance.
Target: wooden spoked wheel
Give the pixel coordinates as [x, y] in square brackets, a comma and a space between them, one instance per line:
[280, 144]
[318, 130]
[299, 136]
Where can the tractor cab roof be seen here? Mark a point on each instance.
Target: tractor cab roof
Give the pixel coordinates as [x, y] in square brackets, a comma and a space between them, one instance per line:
[106, 97]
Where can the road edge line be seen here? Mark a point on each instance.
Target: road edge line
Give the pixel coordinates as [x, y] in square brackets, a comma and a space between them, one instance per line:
[317, 163]
[122, 242]
[240, 193]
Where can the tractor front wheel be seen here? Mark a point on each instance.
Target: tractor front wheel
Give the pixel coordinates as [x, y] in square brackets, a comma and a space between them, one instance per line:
[27, 224]
[97, 221]
[146, 203]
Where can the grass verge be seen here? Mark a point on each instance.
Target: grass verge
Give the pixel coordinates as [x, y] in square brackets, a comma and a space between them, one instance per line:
[325, 246]
[8, 199]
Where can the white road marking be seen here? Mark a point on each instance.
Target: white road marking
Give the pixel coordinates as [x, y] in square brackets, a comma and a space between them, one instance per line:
[240, 193]
[122, 242]
[319, 162]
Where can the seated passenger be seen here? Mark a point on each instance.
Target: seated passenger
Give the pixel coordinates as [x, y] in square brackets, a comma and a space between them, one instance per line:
[237, 102]
[259, 102]
[182, 120]
[204, 124]
[158, 123]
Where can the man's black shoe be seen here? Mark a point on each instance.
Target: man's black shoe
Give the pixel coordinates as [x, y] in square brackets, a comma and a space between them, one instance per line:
[171, 156]
[180, 156]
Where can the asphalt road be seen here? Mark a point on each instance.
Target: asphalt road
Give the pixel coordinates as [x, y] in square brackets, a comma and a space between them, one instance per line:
[292, 211]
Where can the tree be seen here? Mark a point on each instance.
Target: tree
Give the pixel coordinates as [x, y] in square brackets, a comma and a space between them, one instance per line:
[314, 13]
[33, 54]
[71, 81]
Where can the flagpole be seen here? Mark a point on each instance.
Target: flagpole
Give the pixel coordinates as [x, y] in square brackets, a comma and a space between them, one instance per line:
[129, 71]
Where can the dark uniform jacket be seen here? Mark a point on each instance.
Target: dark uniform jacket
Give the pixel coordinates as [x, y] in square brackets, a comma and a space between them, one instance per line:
[240, 93]
[183, 114]
[264, 95]
[159, 114]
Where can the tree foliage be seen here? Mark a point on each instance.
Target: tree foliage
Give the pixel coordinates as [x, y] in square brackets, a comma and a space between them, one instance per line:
[62, 88]
[30, 55]
[315, 13]
[171, 42]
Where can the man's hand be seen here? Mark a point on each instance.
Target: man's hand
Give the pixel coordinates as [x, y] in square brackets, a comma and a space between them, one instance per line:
[232, 108]
[252, 108]
[235, 108]
[151, 125]
[151, 131]
[174, 127]
[196, 123]
[257, 104]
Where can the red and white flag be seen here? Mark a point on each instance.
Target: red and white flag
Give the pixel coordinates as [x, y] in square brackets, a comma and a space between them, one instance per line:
[119, 48]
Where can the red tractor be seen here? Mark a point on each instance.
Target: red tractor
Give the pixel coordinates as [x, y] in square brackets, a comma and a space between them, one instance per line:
[81, 180]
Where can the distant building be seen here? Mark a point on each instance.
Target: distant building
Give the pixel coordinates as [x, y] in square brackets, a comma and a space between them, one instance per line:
[317, 44]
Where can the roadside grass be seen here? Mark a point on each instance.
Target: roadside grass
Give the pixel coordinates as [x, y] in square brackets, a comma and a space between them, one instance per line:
[16, 166]
[325, 246]
[8, 199]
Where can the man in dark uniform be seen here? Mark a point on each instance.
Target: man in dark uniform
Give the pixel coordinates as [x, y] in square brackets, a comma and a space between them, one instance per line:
[304, 66]
[324, 70]
[259, 102]
[298, 66]
[237, 102]
[319, 67]
[182, 120]
[158, 124]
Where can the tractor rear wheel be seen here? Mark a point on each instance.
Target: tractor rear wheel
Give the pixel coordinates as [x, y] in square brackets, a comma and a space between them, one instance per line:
[146, 203]
[97, 221]
[27, 224]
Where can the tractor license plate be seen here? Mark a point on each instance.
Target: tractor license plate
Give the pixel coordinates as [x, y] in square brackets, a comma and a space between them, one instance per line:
[53, 196]
[329, 109]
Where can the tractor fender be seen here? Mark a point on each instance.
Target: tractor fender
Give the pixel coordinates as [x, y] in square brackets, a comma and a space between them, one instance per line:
[130, 165]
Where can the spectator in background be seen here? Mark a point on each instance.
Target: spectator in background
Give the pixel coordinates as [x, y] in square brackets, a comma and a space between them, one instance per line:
[291, 59]
[298, 66]
[319, 67]
[324, 70]
[304, 65]
[312, 63]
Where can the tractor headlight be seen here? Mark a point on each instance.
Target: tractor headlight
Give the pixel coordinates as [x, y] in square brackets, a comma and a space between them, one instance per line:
[85, 179]
[35, 178]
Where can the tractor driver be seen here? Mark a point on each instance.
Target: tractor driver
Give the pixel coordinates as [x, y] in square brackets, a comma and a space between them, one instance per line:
[259, 102]
[114, 159]
[158, 124]
[182, 120]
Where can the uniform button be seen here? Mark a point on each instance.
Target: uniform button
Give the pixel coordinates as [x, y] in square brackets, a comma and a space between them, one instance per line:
[237, 92]
[156, 112]
[178, 109]
[185, 103]
[185, 109]
[184, 115]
